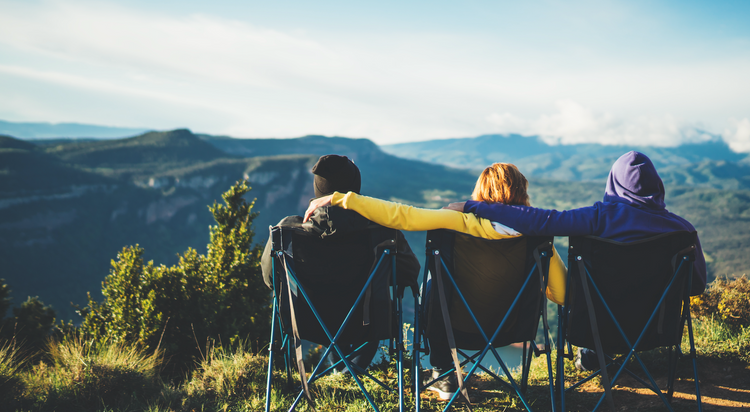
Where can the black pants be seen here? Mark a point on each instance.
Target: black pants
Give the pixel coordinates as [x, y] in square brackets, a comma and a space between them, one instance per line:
[440, 351]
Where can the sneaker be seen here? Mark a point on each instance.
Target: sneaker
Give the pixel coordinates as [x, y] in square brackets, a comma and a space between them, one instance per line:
[586, 360]
[445, 387]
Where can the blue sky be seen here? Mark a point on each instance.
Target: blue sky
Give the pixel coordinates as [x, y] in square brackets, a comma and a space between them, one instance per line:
[572, 71]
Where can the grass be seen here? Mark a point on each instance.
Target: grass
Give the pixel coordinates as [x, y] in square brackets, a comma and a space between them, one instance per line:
[76, 375]
[80, 376]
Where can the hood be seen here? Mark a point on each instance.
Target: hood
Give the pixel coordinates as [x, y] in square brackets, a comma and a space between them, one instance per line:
[633, 180]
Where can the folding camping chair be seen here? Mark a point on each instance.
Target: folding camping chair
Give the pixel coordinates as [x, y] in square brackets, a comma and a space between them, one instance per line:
[623, 298]
[319, 298]
[519, 269]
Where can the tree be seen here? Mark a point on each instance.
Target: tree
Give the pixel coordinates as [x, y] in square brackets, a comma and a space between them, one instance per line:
[4, 298]
[218, 298]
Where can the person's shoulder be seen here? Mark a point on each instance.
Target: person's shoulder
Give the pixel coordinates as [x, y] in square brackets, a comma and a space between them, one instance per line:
[688, 226]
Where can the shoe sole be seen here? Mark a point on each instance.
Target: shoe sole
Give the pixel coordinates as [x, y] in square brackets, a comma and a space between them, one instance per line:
[443, 396]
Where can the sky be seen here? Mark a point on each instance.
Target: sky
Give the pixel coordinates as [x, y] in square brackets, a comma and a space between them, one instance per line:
[613, 72]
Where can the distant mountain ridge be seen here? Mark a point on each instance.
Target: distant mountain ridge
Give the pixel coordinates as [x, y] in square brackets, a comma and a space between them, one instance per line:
[41, 130]
[150, 151]
[692, 163]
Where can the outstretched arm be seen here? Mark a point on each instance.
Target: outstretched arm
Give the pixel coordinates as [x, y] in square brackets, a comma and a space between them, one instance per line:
[534, 221]
[405, 217]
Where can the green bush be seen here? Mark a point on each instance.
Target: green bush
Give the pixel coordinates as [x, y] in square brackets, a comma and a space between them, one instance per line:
[4, 298]
[726, 301]
[30, 325]
[219, 297]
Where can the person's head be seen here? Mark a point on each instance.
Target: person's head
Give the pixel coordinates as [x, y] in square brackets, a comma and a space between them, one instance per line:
[633, 180]
[334, 173]
[502, 183]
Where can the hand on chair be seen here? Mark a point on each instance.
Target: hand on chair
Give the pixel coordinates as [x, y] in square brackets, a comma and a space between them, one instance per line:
[316, 203]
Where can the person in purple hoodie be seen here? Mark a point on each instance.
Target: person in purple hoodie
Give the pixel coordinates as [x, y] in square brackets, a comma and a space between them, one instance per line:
[632, 209]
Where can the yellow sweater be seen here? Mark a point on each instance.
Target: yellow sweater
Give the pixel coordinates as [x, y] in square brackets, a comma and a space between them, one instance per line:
[405, 217]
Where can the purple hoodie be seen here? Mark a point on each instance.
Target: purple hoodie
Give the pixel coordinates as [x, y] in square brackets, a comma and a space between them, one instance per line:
[633, 209]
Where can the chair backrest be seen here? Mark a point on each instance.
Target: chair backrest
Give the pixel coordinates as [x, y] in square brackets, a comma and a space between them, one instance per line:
[490, 274]
[333, 271]
[631, 278]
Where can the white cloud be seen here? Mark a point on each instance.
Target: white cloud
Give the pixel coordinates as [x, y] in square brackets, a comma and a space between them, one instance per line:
[738, 135]
[574, 123]
[248, 75]
[200, 46]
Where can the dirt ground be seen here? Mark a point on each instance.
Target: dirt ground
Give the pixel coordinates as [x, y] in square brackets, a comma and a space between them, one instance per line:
[724, 387]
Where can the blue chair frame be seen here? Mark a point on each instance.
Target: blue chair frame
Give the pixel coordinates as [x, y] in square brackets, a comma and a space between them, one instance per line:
[535, 276]
[588, 281]
[284, 343]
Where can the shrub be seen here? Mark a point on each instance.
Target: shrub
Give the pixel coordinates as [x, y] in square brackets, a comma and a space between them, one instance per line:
[30, 325]
[202, 299]
[4, 298]
[726, 301]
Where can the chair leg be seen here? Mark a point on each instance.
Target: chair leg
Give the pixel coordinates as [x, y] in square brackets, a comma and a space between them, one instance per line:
[695, 362]
[560, 378]
[269, 374]
[672, 356]
[416, 354]
[525, 365]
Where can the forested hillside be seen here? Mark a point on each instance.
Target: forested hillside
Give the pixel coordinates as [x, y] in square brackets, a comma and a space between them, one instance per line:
[68, 206]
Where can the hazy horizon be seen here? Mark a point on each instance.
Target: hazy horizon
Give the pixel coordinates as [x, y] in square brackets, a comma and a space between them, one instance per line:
[631, 72]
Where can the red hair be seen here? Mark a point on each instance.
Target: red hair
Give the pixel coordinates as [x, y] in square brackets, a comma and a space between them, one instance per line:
[502, 183]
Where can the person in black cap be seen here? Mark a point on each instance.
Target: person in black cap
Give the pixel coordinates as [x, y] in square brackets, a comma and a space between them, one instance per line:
[332, 172]
[335, 173]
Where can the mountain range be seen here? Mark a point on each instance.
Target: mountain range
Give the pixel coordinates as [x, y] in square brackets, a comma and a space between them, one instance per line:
[709, 164]
[43, 130]
[67, 206]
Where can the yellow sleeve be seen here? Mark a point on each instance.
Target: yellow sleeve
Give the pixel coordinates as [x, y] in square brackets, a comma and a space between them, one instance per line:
[557, 277]
[405, 217]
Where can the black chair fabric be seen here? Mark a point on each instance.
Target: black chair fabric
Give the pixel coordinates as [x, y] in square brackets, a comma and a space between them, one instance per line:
[326, 276]
[627, 281]
[631, 277]
[523, 323]
[503, 283]
[333, 272]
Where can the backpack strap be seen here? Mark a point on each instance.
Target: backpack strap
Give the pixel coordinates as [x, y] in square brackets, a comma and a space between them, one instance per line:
[296, 341]
[449, 329]
[595, 333]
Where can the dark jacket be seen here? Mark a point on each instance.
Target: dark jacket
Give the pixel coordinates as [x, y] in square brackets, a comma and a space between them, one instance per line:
[334, 221]
[632, 209]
